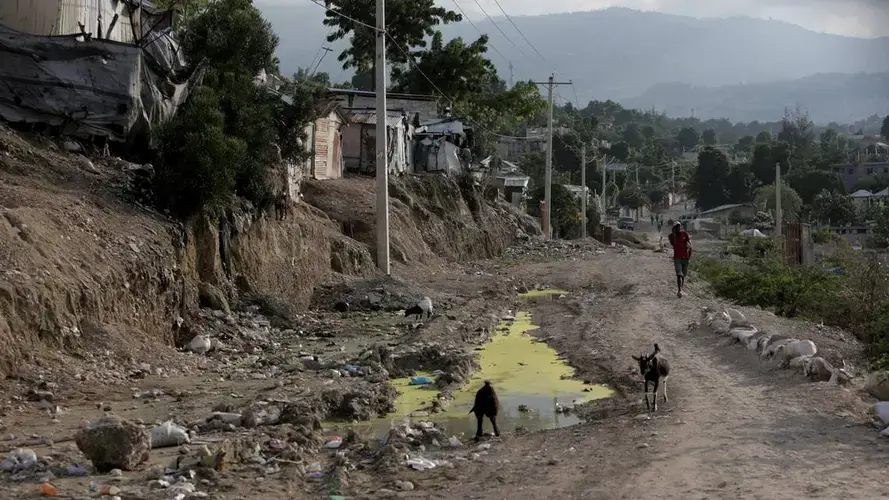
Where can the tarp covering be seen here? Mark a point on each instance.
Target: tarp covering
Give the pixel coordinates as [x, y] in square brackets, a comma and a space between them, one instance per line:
[98, 87]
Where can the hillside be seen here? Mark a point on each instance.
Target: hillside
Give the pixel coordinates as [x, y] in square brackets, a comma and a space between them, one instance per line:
[83, 267]
[841, 98]
[621, 53]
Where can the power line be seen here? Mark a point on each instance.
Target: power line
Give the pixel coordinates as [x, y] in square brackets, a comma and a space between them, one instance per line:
[522, 34]
[500, 30]
[479, 31]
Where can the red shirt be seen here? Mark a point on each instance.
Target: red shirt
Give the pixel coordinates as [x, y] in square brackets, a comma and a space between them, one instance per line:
[680, 247]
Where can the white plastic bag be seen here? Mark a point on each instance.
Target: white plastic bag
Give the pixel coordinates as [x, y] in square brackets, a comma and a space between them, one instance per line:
[168, 434]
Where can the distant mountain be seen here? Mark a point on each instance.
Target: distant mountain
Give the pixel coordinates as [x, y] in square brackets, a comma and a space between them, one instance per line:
[620, 53]
[841, 98]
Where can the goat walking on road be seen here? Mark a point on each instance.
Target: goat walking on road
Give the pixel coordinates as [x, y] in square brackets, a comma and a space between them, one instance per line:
[655, 369]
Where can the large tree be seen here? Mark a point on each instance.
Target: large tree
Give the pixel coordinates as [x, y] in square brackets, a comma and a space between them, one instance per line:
[884, 130]
[708, 182]
[688, 138]
[833, 207]
[408, 24]
[456, 69]
[709, 137]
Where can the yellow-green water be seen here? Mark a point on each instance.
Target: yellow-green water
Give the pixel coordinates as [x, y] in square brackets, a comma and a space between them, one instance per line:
[524, 372]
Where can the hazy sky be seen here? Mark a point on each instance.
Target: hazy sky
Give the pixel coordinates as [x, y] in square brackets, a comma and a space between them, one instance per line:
[862, 18]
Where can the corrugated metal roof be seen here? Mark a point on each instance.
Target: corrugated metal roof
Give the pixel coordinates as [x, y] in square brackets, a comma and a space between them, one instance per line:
[370, 118]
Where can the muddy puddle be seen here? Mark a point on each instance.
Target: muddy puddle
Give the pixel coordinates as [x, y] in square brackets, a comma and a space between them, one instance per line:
[533, 384]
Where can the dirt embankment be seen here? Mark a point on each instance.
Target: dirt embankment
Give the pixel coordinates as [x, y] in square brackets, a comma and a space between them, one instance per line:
[87, 271]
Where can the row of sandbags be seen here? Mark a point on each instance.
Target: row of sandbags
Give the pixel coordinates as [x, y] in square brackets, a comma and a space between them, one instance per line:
[797, 354]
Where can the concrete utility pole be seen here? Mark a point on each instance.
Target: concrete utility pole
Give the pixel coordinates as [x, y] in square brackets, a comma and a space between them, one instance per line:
[779, 217]
[583, 185]
[548, 188]
[604, 184]
[382, 153]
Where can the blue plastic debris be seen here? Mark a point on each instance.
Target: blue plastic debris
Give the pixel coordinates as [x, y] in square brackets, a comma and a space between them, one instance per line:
[420, 381]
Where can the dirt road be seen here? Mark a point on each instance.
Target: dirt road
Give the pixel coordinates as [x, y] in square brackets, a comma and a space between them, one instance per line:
[733, 428]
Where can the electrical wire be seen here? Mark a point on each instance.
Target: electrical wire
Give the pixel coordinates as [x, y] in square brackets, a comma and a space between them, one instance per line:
[479, 31]
[500, 30]
[522, 34]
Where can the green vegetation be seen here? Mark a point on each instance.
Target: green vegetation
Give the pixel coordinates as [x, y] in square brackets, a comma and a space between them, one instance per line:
[855, 296]
[231, 136]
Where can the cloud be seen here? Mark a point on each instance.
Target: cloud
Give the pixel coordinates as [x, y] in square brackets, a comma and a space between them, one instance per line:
[864, 18]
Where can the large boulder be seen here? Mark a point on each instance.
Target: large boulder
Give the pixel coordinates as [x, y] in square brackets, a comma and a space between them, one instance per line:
[114, 443]
[877, 385]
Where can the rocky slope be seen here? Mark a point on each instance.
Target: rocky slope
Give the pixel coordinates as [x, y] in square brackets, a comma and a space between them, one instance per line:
[87, 275]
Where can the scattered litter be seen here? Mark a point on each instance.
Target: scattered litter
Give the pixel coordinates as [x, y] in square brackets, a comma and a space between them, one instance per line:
[334, 443]
[421, 381]
[168, 434]
[19, 459]
[420, 463]
[48, 490]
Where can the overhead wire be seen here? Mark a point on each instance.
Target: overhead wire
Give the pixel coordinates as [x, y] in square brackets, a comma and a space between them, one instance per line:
[499, 29]
[508, 18]
[477, 29]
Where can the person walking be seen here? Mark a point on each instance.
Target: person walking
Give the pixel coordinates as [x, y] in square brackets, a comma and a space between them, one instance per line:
[681, 243]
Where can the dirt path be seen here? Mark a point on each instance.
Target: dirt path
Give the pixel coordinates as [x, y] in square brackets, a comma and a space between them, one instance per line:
[733, 427]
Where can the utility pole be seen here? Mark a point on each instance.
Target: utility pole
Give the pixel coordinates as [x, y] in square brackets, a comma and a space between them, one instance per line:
[583, 185]
[604, 184]
[511, 76]
[382, 153]
[673, 175]
[779, 219]
[548, 188]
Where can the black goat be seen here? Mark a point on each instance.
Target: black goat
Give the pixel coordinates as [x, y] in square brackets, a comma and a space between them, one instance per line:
[655, 369]
[486, 405]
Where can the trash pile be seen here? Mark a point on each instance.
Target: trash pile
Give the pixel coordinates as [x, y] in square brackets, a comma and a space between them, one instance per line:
[548, 249]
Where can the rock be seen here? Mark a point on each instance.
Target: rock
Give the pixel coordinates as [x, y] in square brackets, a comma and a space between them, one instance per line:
[212, 297]
[877, 385]
[405, 485]
[200, 345]
[114, 443]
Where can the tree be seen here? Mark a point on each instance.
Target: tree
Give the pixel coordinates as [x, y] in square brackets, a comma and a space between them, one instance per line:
[809, 183]
[633, 136]
[408, 24]
[740, 185]
[234, 126]
[791, 203]
[833, 207]
[709, 137]
[708, 182]
[884, 130]
[764, 137]
[458, 70]
[565, 215]
[745, 144]
[798, 131]
[765, 157]
[620, 151]
[632, 197]
[688, 138]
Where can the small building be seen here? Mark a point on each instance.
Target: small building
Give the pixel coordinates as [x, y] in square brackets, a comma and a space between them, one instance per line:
[731, 211]
[442, 145]
[325, 134]
[410, 104]
[510, 183]
[578, 191]
[359, 142]
[852, 173]
[863, 198]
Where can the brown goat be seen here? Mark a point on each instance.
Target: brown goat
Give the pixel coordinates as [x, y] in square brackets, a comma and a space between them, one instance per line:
[654, 368]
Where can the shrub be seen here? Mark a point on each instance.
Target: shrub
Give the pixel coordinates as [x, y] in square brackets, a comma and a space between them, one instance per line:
[199, 163]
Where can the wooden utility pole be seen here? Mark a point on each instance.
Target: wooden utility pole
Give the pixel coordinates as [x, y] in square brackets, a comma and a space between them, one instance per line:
[779, 217]
[583, 198]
